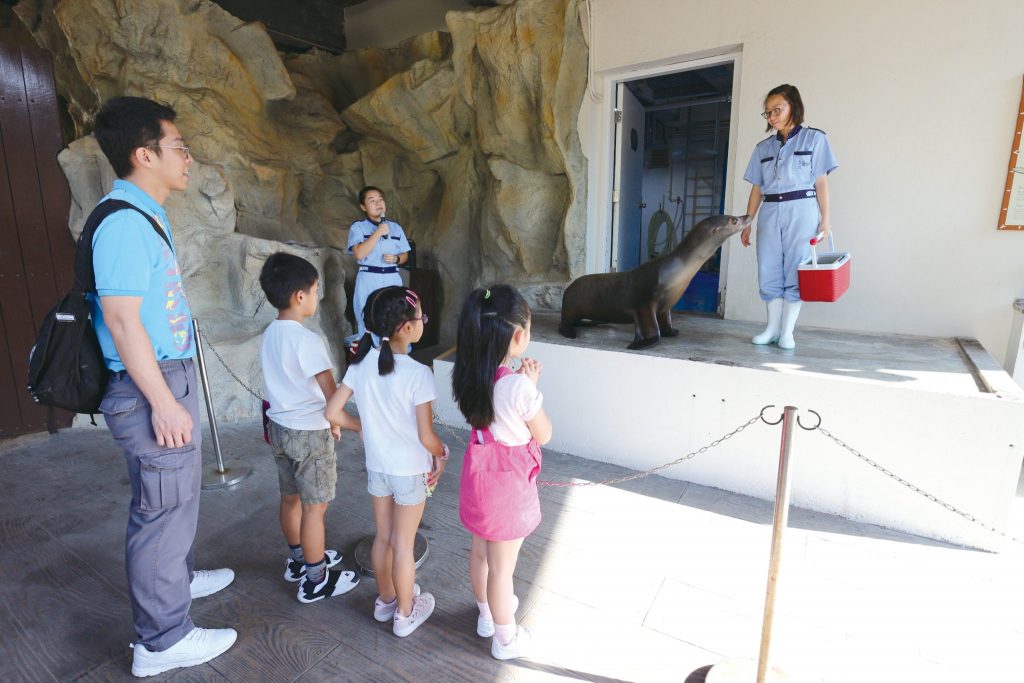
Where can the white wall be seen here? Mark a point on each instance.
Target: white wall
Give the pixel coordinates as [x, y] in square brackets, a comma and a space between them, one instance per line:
[385, 23]
[919, 100]
[966, 456]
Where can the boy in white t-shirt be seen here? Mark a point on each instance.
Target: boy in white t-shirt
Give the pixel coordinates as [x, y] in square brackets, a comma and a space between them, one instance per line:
[299, 380]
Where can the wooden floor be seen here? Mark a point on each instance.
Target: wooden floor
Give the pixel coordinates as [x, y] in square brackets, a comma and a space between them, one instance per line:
[652, 580]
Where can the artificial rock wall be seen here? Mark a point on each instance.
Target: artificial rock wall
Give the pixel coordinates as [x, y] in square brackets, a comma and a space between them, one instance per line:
[471, 134]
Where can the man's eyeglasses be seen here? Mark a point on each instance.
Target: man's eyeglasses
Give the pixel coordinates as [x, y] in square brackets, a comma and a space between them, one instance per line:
[771, 112]
[183, 149]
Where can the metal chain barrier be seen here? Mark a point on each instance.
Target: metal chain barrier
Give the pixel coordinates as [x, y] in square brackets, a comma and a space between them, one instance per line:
[635, 475]
[231, 372]
[895, 477]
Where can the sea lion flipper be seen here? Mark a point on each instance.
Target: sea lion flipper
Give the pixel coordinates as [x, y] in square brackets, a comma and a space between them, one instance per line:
[665, 324]
[646, 322]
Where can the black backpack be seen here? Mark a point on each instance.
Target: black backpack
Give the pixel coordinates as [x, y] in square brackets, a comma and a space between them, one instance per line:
[66, 368]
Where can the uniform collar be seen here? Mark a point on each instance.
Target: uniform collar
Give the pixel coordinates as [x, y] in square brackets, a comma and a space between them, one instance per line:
[792, 134]
[139, 197]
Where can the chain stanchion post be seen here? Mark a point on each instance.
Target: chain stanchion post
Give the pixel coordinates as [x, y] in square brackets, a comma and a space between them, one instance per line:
[778, 529]
[222, 474]
[742, 670]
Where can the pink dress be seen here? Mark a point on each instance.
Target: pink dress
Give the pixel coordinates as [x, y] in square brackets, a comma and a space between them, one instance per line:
[498, 499]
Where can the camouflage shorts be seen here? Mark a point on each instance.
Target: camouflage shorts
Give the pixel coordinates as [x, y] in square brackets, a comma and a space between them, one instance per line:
[306, 463]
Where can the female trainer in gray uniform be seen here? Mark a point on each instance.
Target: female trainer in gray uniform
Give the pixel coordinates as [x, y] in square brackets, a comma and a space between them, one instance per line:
[789, 172]
[380, 246]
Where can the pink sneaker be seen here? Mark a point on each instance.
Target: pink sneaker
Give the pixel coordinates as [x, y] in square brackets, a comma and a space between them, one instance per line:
[385, 611]
[422, 608]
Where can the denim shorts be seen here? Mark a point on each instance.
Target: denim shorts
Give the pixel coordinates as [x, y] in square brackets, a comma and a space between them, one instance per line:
[306, 463]
[406, 490]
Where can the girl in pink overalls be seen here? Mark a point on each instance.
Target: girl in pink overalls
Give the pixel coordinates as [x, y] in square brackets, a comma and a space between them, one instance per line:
[498, 500]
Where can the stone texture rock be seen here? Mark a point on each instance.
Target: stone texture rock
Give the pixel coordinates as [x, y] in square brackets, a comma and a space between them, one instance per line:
[343, 79]
[236, 102]
[471, 134]
[220, 268]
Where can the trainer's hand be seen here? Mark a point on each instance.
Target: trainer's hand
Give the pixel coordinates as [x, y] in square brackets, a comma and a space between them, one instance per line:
[382, 229]
[172, 425]
[745, 236]
[390, 258]
[531, 368]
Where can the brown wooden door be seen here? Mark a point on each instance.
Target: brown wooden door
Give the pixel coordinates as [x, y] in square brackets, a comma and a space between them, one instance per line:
[36, 249]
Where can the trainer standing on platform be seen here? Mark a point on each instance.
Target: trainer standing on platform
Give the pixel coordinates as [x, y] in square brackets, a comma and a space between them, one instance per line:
[380, 246]
[789, 172]
[151, 405]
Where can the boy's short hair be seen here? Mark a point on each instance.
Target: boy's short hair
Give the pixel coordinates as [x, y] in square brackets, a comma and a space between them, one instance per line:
[284, 274]
[126, 123]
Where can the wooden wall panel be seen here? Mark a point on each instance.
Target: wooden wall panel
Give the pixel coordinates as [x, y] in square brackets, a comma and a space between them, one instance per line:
[36, 253]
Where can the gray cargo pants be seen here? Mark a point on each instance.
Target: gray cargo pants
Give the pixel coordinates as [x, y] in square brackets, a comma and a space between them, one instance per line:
[164, 507]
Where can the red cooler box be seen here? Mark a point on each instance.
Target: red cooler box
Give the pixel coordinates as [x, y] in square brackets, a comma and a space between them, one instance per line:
[824, 277]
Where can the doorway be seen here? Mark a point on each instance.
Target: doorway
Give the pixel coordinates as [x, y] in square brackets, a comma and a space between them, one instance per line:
[671, 150]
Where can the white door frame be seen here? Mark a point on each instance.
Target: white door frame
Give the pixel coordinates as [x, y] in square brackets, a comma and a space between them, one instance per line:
[600, 225]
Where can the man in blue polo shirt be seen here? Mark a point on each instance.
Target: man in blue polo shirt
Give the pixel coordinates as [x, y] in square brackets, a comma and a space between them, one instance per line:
[151, 405]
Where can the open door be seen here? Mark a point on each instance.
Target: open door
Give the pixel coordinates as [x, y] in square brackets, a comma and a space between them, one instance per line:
[627, 192]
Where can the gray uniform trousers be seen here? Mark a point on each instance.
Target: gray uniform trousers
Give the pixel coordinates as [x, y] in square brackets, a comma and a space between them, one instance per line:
[164, 507]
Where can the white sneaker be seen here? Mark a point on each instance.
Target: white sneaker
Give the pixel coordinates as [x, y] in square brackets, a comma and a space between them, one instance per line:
[422, 608]
[296, 571]
[209, 581]
[485, 627]
[520, 646]
[334, 583]
[384, 611]
[200, 645]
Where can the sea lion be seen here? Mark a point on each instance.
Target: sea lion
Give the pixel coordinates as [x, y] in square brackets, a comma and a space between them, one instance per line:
[645, 295]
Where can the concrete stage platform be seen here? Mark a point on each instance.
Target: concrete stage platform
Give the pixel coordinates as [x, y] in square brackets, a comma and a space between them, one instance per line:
[940, 413]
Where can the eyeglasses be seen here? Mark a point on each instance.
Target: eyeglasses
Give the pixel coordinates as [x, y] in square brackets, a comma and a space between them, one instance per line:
[772, 112]
[425, 318]
[183, 149]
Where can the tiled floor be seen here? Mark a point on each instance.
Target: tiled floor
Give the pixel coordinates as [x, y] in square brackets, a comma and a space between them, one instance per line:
[652, 580]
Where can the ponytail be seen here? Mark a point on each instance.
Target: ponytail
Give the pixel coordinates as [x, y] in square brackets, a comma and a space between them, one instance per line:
[487, 322]
[386, 359]
[365, 344]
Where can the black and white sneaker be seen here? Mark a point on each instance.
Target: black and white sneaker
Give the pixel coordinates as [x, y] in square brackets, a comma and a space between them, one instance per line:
[335, 583]
[296, 571]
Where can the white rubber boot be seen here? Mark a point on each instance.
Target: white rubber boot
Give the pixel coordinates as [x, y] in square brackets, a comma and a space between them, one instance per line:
[790, 312]
[771, 333]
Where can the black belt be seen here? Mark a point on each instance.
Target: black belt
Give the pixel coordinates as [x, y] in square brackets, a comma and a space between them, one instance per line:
[378, 269]
[790, 196]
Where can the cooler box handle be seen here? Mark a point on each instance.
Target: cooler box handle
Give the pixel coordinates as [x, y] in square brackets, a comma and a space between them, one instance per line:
[815, 240]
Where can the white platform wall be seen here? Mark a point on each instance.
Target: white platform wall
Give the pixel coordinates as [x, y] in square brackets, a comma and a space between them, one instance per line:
[640, 411]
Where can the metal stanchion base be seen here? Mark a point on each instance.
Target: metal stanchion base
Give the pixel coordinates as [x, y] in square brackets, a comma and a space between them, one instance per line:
[234, 472]
[742, 671]
[364, 564]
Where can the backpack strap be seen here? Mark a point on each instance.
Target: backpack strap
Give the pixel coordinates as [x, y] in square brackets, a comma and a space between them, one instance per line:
[85, 274]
